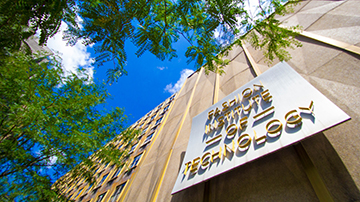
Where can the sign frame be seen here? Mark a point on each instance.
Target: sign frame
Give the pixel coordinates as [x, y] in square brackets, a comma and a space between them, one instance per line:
[274, 110]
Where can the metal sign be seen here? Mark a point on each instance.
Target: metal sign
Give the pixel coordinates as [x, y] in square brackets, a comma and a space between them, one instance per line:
[272, 111]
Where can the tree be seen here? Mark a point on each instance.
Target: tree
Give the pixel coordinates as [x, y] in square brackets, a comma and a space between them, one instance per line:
[50, 123]
[21, 19]
[211, 27]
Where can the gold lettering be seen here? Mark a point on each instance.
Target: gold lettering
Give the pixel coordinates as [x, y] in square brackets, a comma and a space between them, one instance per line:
[246, 93]
[208, 128]
[246, 109]
[221, 122]
[231, 131]
[232, 102]
[259, 140]
[210, 114]
[215, 155]
[258, 86]
[256, 99]
[227, 116]
[215, 124]
[239, 96]
[217, 111]
[310, 108]
[237, 110]
[264, 113]
[243, 122]
[187, 165]
[266, 95]
[194, 165]
[225, 106]
[293, 119]
[227, 149]
[275, 132]
[244, 146]
[205, 160]
[211, 141]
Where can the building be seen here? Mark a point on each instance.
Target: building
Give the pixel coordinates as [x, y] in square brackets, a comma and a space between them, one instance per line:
[321, 167]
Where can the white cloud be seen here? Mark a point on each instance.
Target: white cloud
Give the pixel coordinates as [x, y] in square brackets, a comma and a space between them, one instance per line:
[73, 57]
[254, 10]
[52, 160]
[162, 68]
[183, 75]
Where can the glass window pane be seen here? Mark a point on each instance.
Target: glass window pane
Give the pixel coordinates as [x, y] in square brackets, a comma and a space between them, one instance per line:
[103, 179]
[100, 198]
[117, 192]
[135, 161]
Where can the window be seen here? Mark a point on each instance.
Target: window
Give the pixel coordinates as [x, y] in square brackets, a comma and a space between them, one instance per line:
[133, 148]
[82, 198]
[95, 190]
[112, 166]
[80, 182]
[89, 187]
[166, 108]
[148, 138]
[100, 198]
[172, 97]
[135, 161]
[117, 192]
[143, 132]
[98, 175]
[152, 118]
[96, 169]
[116, 173]
[78, 193]
[158, 121]
[103, 179]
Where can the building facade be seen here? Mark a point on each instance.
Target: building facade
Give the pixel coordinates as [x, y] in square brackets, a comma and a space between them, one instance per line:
[323, 167]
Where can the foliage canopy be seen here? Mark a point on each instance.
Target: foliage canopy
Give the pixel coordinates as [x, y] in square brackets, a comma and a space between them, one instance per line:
[211, 27]
[49, 123]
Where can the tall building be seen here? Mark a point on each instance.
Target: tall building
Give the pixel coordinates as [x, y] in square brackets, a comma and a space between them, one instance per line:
[259, 132]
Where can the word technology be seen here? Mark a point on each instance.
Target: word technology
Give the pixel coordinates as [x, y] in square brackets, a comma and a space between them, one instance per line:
[233, 115]
[274, 110]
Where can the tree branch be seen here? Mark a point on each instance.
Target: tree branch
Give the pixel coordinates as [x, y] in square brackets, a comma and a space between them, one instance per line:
[182, 34]
[26, 166]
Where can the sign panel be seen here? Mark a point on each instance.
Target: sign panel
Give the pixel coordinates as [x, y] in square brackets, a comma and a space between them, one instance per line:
[272, 111]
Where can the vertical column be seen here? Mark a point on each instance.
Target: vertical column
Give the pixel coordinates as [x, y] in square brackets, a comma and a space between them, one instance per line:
[131, 180]
[216, 88]
[313, 175]
[159, 182]
[254, 66]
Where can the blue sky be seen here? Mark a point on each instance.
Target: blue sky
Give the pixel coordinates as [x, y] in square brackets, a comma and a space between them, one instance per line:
[148, 83]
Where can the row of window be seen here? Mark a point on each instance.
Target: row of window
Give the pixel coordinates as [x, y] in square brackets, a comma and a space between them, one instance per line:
[115, 174]
[135, 160]
[114, 196]
[141, 122]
